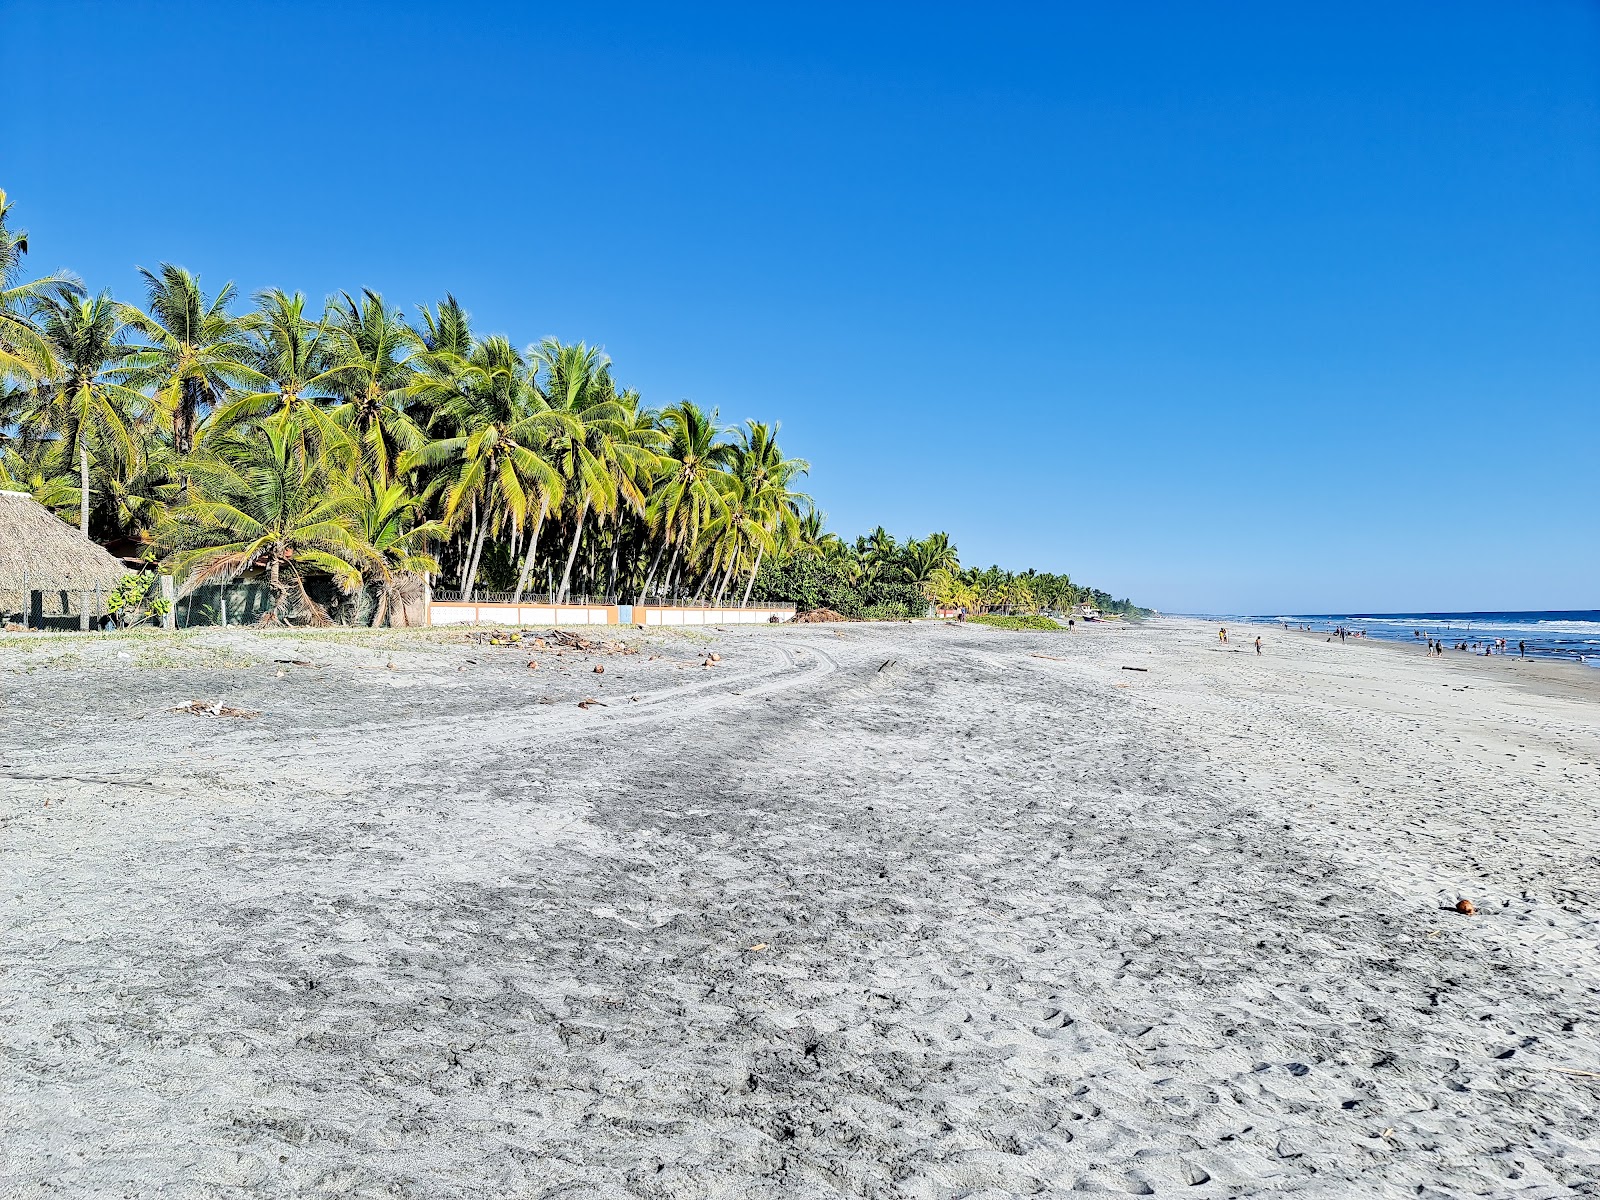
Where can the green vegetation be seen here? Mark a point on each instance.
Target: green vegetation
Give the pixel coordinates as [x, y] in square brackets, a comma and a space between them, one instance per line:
[1018, 621]
[341, 457]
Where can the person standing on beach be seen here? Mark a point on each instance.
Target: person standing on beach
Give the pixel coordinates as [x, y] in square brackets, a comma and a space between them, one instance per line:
[1522, 649]
[1222, 635]
[1258, 644]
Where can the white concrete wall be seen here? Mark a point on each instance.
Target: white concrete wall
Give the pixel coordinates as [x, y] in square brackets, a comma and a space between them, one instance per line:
[710, 616]
[453, 612]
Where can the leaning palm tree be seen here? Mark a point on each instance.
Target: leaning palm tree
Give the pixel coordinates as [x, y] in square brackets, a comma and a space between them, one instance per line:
[261, 500]
[197, 349]
[84, 406]
[371, 372]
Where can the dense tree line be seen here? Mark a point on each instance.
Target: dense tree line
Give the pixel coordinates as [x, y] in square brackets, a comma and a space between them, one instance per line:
[350, 451]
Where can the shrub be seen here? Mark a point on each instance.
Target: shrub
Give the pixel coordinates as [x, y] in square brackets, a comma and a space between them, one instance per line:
[1029, 621]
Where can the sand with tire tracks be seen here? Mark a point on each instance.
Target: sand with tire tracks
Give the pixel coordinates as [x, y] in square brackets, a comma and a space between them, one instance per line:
[870, 910]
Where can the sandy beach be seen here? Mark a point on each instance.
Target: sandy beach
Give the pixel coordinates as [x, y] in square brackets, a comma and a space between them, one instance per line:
[916, 910]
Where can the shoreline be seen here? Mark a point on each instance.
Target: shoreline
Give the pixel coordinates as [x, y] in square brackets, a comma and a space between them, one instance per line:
[1546, 676]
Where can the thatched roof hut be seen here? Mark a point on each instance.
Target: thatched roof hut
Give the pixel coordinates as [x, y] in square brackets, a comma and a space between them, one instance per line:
[39, 548]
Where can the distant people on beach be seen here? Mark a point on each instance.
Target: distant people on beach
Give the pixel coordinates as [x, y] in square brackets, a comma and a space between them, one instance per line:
[1222, 635]
[1522, 649]
[1258, 645]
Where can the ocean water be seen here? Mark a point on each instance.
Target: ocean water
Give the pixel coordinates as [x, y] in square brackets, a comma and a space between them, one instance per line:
[1562, 633]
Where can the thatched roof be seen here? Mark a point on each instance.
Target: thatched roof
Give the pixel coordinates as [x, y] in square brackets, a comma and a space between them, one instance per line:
[50, 553]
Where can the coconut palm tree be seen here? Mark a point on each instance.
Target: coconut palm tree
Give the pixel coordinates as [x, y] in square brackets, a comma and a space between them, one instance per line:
[500, 428]
[686, 494]
[766, 477]
[920, 560]
[292, 357]
[603, 451]
[261, 499]
[84, 406]
[24, 351]
[371, 374]
[389, 521]
[196, 349]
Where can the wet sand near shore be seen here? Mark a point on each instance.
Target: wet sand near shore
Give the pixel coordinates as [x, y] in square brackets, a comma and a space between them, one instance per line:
[1543, 675]
[869, 910]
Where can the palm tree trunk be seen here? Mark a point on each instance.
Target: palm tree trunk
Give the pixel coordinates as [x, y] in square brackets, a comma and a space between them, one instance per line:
[472, 573]
[722, 584]
[527, 559]
[275, 582]
[745, 603]
[472, 537]
[616, 548]
[672, 571]
[381, 609]
[705, 580]
[572, 555]
[83, 485]
[650, 575]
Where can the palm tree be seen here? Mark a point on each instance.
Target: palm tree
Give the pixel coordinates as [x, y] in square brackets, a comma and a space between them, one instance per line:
[197, 349]
[766, 476]
[686, 494]
[83, 405]
[292, 358]
[634, 460]
[388, 520]
[920, 560]
[603, 451]
[262, 500]
[24, 351]
[370, 375]
[500, 427]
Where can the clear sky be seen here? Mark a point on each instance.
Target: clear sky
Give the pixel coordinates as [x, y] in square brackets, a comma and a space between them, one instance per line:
[1224, 307]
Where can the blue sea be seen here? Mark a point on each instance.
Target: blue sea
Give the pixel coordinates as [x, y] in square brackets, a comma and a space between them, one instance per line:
[1559, 633]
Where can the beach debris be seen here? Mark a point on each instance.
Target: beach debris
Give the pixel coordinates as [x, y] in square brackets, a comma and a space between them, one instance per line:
[279, 674]
[1135, 668]
[1051, 657]
[1558, 1070]
[294, 662]
[533, 665]
[817, 616]
[714, 656]
[211, 708]
[599, 668]
[591, 702]
[757, 948]
[1466, 907]
[546, 700]
[885, 665]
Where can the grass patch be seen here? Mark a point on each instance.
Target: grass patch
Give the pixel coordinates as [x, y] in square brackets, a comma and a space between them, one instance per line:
[1030, 621]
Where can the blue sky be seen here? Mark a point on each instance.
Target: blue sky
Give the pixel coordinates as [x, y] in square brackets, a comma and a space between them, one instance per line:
[1223, 307]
